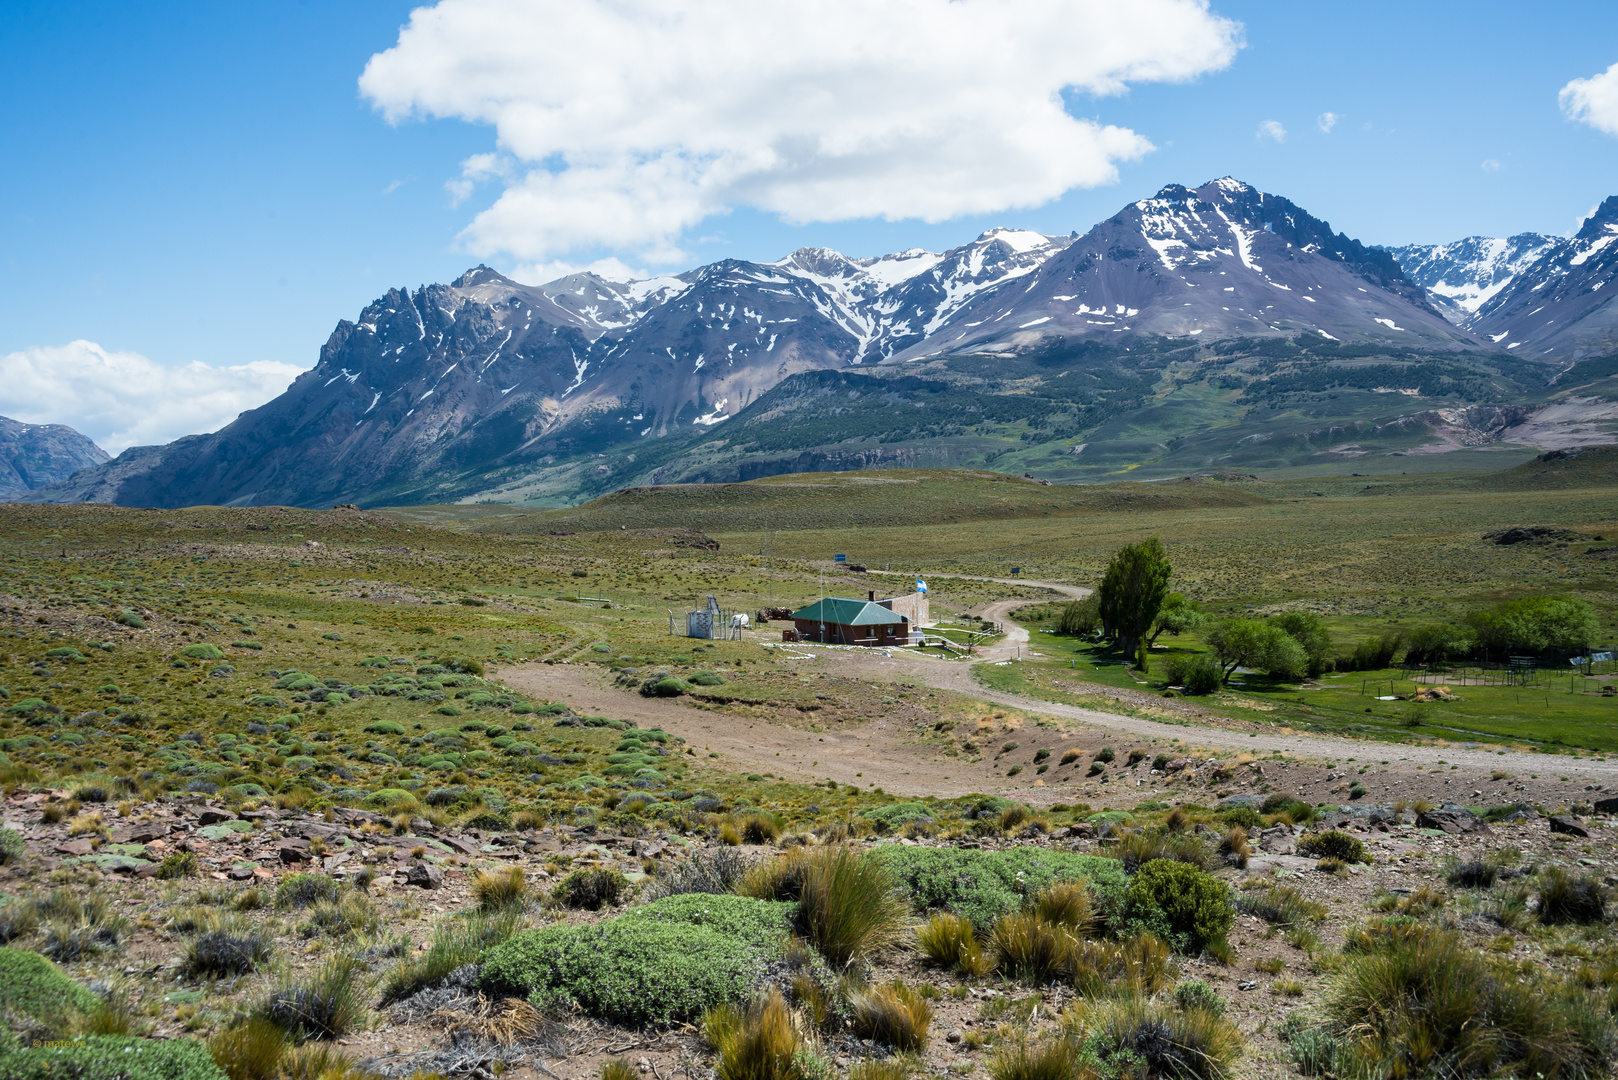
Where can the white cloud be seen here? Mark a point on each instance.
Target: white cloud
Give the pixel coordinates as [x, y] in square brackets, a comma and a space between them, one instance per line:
[1272, 129]
[628, 122]
[1491, 165]
[1593, 101]
[613, 269]
[123, 399]
[1326, 121]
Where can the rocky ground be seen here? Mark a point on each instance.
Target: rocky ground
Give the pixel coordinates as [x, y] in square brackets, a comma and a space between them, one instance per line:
[415, 873]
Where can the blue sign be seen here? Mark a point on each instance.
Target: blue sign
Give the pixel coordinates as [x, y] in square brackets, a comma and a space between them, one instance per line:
[839, 558]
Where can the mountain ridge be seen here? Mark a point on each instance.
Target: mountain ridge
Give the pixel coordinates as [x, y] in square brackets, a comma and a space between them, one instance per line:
[483, 384]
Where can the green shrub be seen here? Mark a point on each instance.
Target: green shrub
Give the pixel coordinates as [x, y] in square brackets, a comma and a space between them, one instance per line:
[591, 889]
[759, 829]
[384, 727]
[35, 987]
[1333, 844]
[177, 864]
[1068, 904]
[112, 1057]
[707, 678]
[12, 846]
[1196, 994]
[1244, 816]
[1280, 905]
[896, 816]
[1294, 810]
[1422, 1005]
[1192, 907]
[304, 890]
[666, 961]
[983, 885]
[664, 686]
[1140, 847]
[202, 650]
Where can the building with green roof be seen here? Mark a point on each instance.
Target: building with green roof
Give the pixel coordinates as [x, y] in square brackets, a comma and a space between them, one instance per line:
[840, 621]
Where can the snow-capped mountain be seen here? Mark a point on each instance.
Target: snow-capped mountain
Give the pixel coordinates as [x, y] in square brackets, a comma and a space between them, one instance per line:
[1560, 307]
[36, 455]
[1463, 276]
[430, 393]
[1221, 260]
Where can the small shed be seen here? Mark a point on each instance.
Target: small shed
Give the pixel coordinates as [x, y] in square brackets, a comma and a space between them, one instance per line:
[840, 621]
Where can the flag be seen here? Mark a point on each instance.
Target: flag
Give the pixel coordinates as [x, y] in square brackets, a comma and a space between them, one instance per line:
[921, 586]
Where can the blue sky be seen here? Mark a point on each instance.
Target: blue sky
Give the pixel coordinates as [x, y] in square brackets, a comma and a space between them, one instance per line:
[206, 184]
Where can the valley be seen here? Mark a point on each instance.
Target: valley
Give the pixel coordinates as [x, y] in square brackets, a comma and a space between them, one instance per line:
[365, 760]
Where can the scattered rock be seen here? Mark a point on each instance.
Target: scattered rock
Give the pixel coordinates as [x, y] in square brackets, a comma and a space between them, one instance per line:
[1238, 802]
[1561, 823]
[1453, 820]
[213, 816]
[423, 875]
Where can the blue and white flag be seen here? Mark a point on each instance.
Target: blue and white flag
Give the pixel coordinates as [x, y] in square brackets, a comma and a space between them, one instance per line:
[921, 586]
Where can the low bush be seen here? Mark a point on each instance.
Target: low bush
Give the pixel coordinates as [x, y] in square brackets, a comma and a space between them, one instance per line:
[1288, 808]
[591, 889]
[179, 864]
[1022, 1058]
[1280, 905]
[896, 816]
[1138, 1037]
[111, 1057]
[1067, 904]
[1420, 1004]
[251, 1050]
[1139, 847]
[457, 942]
[983, 885]
[666, 961]
[12, 846]
[1567, 899]
[221, 954]
[1472, 874]
[949, 941]
[758, 1042]
[353, 914]
[759, 829]
[1244, 816]
[716, 870]
[1333, 844]
[34, 987]
[891, 1014]
[497, 890]
[1196, 994]
[1181, 904]
[328, 1006]
[1030, 949]
[850, 907]
[1137, 966]
[305, 890]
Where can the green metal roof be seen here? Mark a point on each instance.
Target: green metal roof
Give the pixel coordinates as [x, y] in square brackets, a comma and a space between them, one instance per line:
[845, 612]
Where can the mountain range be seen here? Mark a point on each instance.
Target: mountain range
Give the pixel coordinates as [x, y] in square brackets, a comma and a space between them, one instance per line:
[1183, 331]
[34, 456]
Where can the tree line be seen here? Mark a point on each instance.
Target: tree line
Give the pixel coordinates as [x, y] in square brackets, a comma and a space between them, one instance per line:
[1133, 606]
